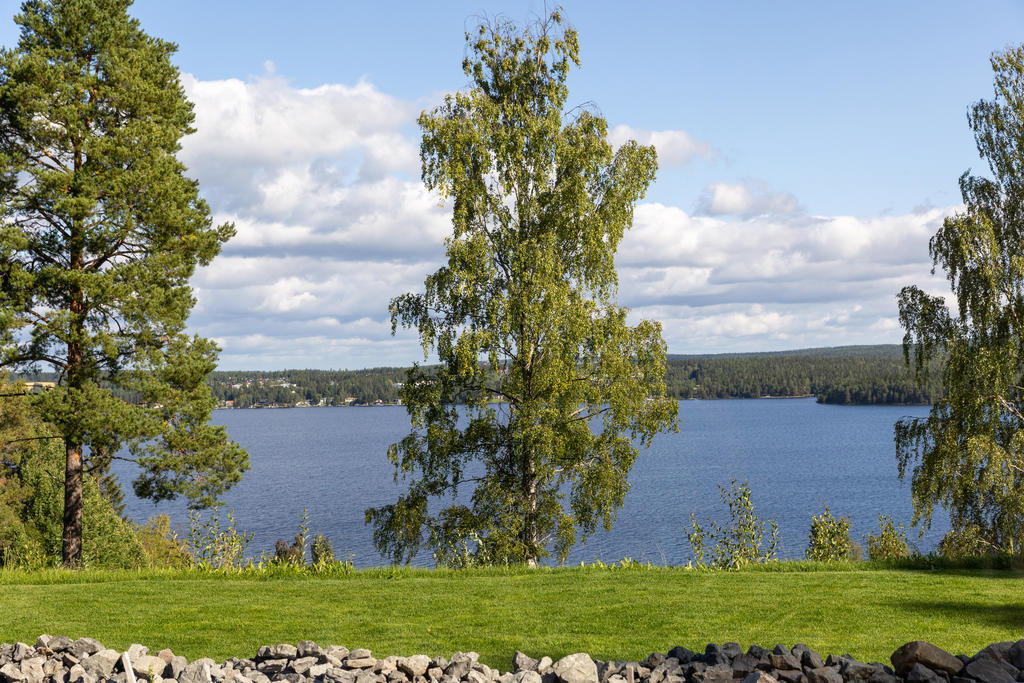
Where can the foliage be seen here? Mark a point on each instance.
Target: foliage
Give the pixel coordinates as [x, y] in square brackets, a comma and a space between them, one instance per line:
[524, 313]
[161, 543]
[890, 543]
[740, 541]
[101, 230]
[829, 539]
[968, 454]
[213, 546]
[322, 552]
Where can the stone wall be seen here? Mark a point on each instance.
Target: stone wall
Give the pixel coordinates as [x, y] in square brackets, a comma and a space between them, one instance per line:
[58, 659]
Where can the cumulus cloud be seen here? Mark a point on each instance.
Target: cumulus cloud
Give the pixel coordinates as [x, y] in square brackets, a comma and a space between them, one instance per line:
[773, 281]
[332, 223]
[744, 199]
[675, 147]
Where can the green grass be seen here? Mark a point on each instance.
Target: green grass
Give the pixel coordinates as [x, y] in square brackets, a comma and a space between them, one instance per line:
[612, 614]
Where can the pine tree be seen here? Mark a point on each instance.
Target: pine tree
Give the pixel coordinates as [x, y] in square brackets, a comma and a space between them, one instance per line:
[100, 231]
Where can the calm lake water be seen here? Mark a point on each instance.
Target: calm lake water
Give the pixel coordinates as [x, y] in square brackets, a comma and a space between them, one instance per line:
[797, 455]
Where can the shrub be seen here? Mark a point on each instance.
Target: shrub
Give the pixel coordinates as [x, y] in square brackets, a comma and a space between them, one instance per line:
[829, 538]
[890, 543]
[964, 542]
[213, 547]
[161, 543]
[323, 553]
[740, 541]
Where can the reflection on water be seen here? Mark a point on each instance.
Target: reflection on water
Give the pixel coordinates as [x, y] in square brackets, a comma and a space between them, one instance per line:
[797, 455]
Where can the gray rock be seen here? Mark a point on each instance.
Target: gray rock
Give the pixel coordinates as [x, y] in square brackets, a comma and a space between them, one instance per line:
[544, 665]
[22, 651]
[852, 670]
[360, 662]
[272, 667]
[716, 673]
[32, 667]
[175, 667]
[11, 673]
[360, 653]
[337, 651]
[196, 672]
[760, 677]
[919, 673]
[434, 673]
[475, 676]
[810, 659]
[318, 670]
[101, 664]
[307, 648]
[923, 652]
[339, 676]
[290, 677]
[85, 646]
[416, 665]
[989, 669]
[147, 665]
[531, 676]
[743, 665]
[791, 676]
[284, 651]
[301, 665]
[522, 662]
[784, 661]
[458, 668]
[576, 668]
[43, 642]
[823, 674]
[79, 674]
[135, 651]
[166, 655]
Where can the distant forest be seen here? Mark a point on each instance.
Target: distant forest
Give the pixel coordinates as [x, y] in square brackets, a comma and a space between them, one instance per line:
[851, 375]
[845, 375]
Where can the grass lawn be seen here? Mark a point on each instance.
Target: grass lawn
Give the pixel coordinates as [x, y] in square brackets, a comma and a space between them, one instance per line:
[612, 614]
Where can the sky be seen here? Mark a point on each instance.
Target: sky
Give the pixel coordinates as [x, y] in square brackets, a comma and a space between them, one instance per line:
[807, 153]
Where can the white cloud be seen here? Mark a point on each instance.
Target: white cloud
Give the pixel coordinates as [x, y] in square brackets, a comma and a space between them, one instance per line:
[675, 147]
[332, 224]
[722, 199]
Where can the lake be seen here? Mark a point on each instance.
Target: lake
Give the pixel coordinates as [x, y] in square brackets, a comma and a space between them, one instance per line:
[797, 455]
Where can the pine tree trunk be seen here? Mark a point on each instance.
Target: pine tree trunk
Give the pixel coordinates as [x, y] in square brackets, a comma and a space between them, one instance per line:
[71, 547]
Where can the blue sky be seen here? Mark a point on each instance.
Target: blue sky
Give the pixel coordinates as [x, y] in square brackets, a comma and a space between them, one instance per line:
[808, 151]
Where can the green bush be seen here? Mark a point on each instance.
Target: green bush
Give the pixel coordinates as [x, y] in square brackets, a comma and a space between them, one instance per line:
[214, 547]
[161, 544]
[964, 542]
[890, 543]
[829, 538]
[740, 541]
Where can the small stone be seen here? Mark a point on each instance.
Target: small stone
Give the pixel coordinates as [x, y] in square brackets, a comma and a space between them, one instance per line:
[919, 673]
[339, 676]
[416, 665]
[318, 670]
[11, 673]
[360, 662]
[544, 665]
[576, 668]
[760, 677]
[147, 665]
[920, 651]
[175, 667]
[302, 664]
[360, 653]
[79, 674]
[101, 664]
[196, 672]
[85, 646]
[434, 673]
[307, 648]
[743, 665]
[337, 651]
[791, 676]
[22, 651]
[786, 660]
[811, 660]
[272, 667]
[165, 655]
[530, 676]
[522, 662]
[988, 669]
[823, 674]
[716, 673]
[284, 651]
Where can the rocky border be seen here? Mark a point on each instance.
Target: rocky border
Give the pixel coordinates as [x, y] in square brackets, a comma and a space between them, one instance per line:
[59, 659]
